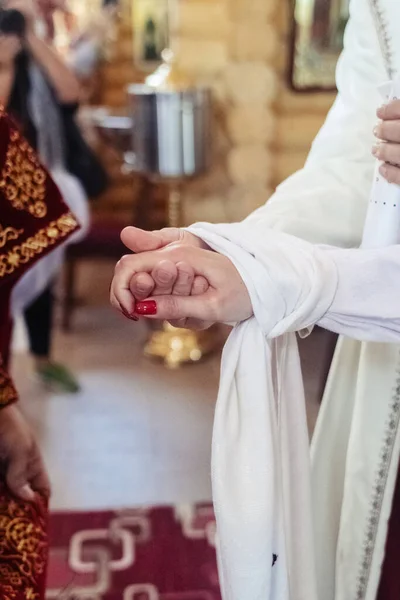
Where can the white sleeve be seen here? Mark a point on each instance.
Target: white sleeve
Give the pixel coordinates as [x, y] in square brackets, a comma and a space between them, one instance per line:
[294, 285]
[326, 201]
[366, 304]
[84, 58]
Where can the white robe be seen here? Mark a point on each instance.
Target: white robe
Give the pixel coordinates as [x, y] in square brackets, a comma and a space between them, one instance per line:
[356, 445]
[260, 467]
[326, 202]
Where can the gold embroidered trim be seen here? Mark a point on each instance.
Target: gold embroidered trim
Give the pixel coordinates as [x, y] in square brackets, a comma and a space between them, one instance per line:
[381, 477]
[35, 245]
[10, 233]
[385, 39]
[393, 423]
[23, 180]
[8, 393]
[23, 550]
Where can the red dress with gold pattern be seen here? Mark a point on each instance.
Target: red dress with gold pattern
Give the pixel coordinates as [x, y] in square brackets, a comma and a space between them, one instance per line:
[33, 221]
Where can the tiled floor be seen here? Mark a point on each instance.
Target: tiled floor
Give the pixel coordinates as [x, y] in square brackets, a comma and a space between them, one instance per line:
[137, 433]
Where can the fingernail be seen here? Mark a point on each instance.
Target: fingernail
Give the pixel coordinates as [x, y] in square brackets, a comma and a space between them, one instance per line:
[26, 493]
[375, 149]
[128, 316]
[377, 130]
[148, 307]
[383, 171]
[381, 111]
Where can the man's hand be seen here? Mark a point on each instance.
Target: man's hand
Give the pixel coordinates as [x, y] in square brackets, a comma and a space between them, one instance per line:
[179, 280]
[139, 240]
[387, 148]
[226, 299]
[20, 456]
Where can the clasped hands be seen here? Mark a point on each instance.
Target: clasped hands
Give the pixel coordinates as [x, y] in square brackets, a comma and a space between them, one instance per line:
[174, 276]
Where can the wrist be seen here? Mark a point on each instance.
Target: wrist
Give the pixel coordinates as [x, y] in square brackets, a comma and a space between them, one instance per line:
[7, 410]
[30, 37]
[6, 66]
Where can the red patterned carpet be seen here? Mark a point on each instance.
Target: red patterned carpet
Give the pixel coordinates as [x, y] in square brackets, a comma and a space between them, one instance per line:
[143, 554]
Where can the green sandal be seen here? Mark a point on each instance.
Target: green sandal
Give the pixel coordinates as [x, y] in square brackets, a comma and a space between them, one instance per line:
[58, 377]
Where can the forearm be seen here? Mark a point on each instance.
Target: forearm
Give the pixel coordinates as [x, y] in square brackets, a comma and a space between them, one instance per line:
[366, 305]
[353, 292]
[6, 84]
[61, 78]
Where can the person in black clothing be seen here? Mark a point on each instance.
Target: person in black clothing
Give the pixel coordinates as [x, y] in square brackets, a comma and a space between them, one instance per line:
[38, 90]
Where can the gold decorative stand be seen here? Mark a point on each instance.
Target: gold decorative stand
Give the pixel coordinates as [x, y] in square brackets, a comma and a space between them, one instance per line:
[181, 346]
[173, 345]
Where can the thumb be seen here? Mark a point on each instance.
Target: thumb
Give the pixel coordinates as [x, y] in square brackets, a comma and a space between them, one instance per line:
[139, 240]
[17, 480]
[171, 308]
[37, 474]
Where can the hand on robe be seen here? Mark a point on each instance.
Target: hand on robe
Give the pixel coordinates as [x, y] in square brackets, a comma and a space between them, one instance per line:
[387, 148]
[22, 462]
[224, 300]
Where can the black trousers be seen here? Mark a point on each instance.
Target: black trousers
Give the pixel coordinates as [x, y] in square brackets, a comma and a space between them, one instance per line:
[39, 322]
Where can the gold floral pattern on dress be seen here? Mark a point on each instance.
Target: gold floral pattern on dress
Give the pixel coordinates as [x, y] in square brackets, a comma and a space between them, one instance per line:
[34, 246]
[23, 549]
[23, 180]
[8, 393]
[9, 234]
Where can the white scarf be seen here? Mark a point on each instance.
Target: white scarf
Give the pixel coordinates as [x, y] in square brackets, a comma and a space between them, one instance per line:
[260, 464]
[260, 470]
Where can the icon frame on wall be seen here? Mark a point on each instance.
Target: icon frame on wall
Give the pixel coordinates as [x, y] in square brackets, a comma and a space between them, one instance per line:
[317, 41]
[151, 24]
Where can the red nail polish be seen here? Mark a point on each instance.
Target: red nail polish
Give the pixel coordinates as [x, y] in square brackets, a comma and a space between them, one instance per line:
[148, 307]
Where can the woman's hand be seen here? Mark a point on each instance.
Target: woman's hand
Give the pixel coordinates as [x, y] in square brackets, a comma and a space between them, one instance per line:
[64, 83]
[167, 279]
[10, 47]
[387, 149]
[25, 7]
[179, 280]
[20, 456]
[225, 300]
